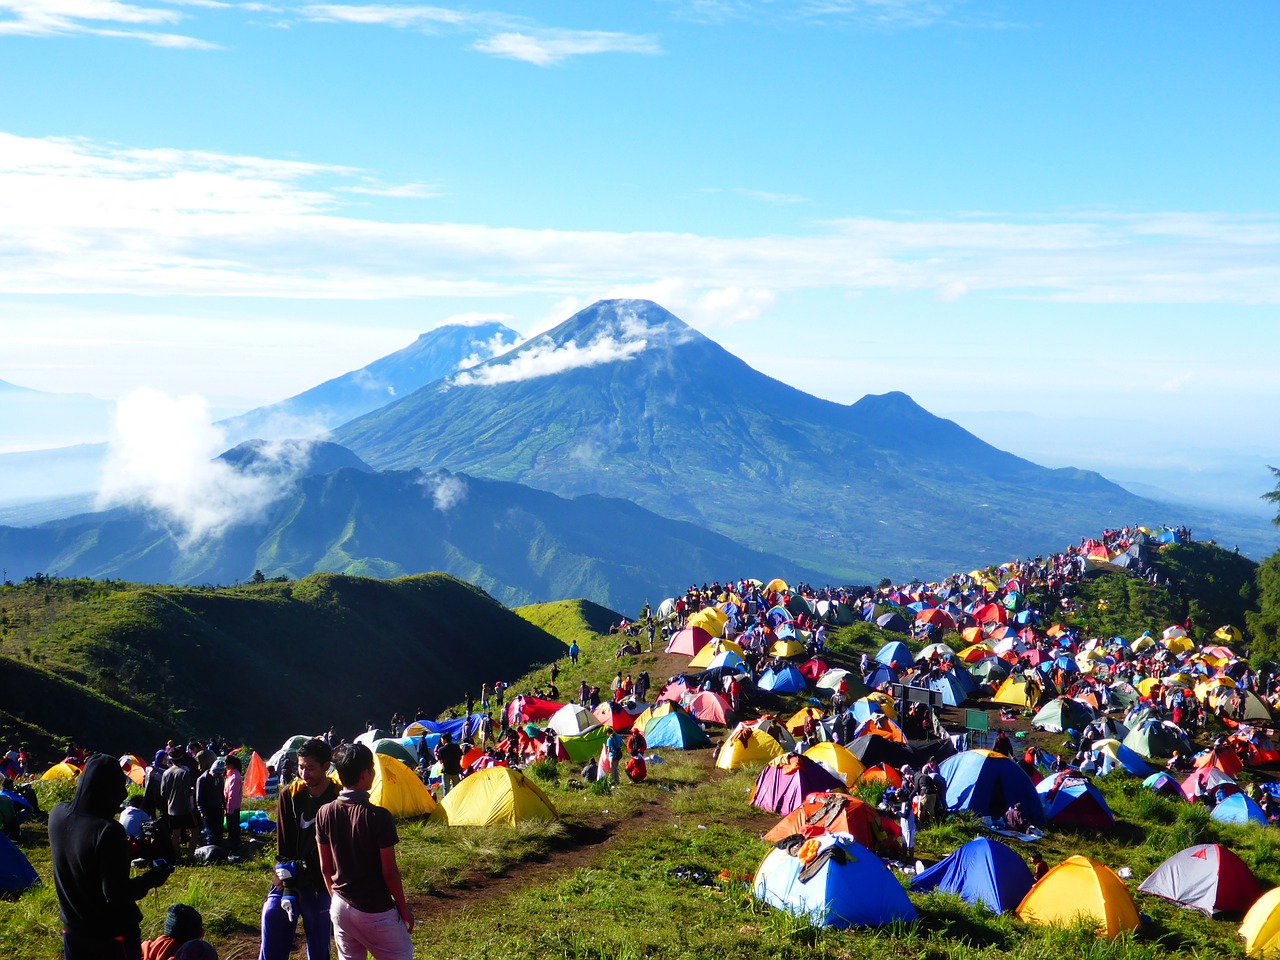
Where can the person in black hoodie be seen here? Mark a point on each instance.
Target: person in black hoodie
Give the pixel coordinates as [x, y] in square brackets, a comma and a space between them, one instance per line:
[96, 896]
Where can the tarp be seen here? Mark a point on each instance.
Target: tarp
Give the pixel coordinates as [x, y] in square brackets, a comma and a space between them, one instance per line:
[1079, 888]
[983, 872]
[495, 795]
[1207, 877]
[988, 783]
[398, 789]
[848, 888]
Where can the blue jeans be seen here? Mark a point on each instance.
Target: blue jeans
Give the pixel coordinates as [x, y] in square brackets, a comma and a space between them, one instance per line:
[278, 929]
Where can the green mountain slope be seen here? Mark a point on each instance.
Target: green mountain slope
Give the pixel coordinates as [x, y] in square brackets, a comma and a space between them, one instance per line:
[625, 400]
[119, 666]
[519, 544]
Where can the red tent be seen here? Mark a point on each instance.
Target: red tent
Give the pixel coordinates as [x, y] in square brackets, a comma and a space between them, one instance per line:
[711, 708]
[1207, 877]
[689, 641]
[813, 669]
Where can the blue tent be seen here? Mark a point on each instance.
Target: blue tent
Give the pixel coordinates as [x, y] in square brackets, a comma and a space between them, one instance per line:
[16, 872]
[989, 783]
[676, 729]
[777, 616]
[895, 654]
[1238, 808]
[1071, 801]
[846, 885]
[981, 872]
[786, 680]
[952, 690]
[864, 709]
[880, 675]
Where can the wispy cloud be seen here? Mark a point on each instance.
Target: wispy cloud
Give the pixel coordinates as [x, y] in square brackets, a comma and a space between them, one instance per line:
[544, 358]
[101, 18]
[884, 13]
[78, 217]
[391, 15]
[547, 48]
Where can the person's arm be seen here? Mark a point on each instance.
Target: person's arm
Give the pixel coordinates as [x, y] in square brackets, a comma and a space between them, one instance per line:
[391, 877]
[327, 867]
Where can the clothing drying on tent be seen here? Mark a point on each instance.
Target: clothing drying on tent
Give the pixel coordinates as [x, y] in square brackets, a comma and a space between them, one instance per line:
[833, 881]
[1207, 877]
[1077, 889]
[1071, 801]
[787, 780]
[836, 813]
[495, 795]
[980, 872]
[987, 784]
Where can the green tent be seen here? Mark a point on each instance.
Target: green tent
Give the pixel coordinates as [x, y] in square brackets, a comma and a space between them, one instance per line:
[394, 748]
[586, 745]
[1061, 714]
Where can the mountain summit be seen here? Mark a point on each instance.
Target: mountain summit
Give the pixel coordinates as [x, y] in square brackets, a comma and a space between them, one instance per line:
[625, 400]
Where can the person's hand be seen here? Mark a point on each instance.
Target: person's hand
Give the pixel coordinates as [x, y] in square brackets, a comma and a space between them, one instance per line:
[407, 917]
[158, 875]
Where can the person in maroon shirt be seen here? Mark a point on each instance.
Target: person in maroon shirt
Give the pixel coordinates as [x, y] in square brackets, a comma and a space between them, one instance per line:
[357, 845]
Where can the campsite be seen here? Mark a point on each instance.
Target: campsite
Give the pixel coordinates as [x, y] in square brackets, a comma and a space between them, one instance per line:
[761, 830]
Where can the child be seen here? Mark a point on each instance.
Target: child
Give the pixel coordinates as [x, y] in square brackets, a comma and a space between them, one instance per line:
[356, 841]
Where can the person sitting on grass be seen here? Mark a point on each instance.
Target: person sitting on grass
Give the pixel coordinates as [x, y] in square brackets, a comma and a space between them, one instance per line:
[182, 924]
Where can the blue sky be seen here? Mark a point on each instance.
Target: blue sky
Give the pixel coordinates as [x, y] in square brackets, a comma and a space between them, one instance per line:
[1058, 224]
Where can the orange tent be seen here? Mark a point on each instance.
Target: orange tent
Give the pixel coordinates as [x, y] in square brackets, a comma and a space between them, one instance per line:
[833, 813]
[882, 771]
[1223, 758]
[881, 726]
[255, 778]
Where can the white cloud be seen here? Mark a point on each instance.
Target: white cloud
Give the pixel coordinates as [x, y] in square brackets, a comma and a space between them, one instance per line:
[397, 191]
[78, 217]
[546, 48]
[388, 15]
[102, 18]
[446, 490]
[483, 350]
[161, 456]
[542, 359]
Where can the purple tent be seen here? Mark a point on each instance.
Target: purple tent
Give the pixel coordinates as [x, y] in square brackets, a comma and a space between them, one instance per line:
[787, 780]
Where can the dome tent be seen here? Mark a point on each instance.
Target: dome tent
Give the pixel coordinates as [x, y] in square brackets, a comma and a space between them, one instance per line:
[1206, 877]
[495, 795]
[988, 783]
[838, 883]
[1079, 888]
[982, 871]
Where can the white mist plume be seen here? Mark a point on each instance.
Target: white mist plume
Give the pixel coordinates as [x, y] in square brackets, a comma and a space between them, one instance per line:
[542, 359]
[161, 456]
[446, 490]
[483, 350]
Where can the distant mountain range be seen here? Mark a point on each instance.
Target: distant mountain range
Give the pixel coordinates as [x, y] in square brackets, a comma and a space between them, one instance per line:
[518, 544]
[625, 400]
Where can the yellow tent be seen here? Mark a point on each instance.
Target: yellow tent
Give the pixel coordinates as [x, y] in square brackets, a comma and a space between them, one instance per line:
[746, 745]
[1179, 644]
[786, 648]
[1078, 888]
[795, 723]
[1144, 686]
[659, 709]
[1228, 634]
[1211, 689]
[884, 702]
[1261, 926]
[1142, 643]
[398, 789]
[495, 795]
[776, 585]
[838, 760]
[61, 771]
[1017, 692]
[709, 619]
[702, 659]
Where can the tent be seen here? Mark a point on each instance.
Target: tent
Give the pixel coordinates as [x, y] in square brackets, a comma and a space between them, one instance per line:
[1156, 738]
[783, 649]
[988, 783]
[837, 760]
[704, 658]
[892, 621]
[874, 704]
[1079, 888]
[61, 771]
[618, 716]
[1017, 691]
[255, 778]
[395, 748]
[1208, 780]
[1239, 809]
[678, 730]
[1165, 785]
[1123, 757]
[1207, 877]
[832, 813]
[1062, 713]
[895, 654]
[659, 709]
[880, 676]
[980, 872]
[879, 725]
[1071, 801]
[572, 720]
[584, 746]
[16, 872]
[953, 690]
[747, 745]
[838, 883]
[710, 708]
[783, 680]
[495, 795]
[398, 789]
[787, 780]
[689, 641]
[1261, 926]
